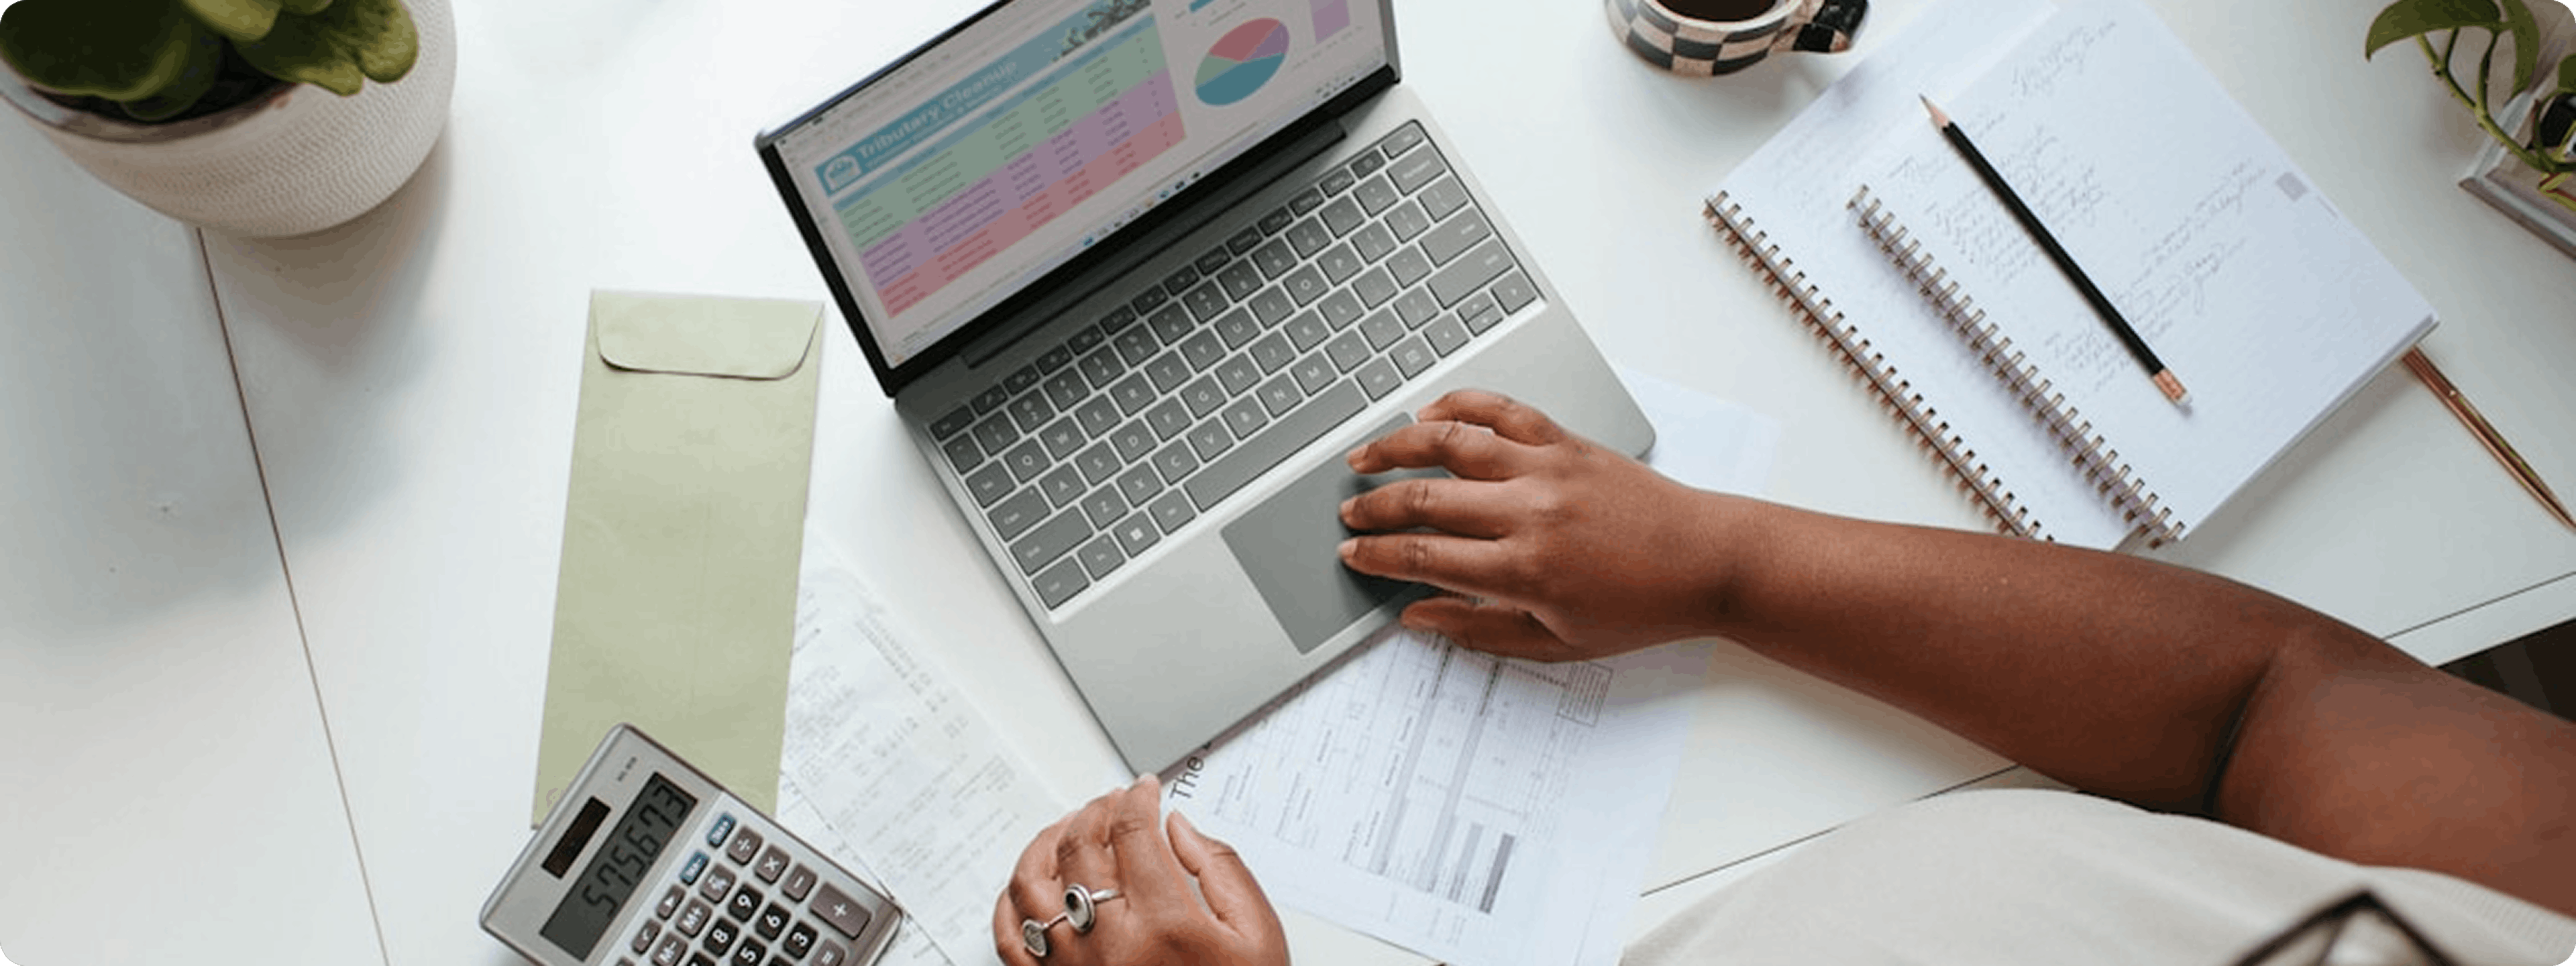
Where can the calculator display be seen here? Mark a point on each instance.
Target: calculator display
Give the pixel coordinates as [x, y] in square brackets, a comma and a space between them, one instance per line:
[657, 812]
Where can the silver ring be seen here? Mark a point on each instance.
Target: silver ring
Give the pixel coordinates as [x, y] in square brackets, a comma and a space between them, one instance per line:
[1082, 906]
[1033, 935]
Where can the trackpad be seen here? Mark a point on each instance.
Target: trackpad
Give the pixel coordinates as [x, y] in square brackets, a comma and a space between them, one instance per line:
[1289, 546]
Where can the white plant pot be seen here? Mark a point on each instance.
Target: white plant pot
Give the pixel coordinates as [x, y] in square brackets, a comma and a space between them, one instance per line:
[295, 162]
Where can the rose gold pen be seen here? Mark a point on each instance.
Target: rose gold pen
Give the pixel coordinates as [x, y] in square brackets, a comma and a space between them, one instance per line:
[2423, 369]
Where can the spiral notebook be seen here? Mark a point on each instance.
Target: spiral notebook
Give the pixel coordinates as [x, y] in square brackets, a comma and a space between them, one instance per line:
[2230, 262]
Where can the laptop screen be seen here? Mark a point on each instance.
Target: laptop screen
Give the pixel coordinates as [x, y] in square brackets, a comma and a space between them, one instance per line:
[948, 183]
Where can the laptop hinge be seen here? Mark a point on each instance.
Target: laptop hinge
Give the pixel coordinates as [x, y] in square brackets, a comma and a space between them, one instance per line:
[1222, 199]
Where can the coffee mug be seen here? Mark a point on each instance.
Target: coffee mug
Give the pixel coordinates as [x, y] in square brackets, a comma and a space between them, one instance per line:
[1704, 38]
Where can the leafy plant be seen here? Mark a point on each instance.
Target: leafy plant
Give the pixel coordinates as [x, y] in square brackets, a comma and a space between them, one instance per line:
[155, 59]
[2420, 20]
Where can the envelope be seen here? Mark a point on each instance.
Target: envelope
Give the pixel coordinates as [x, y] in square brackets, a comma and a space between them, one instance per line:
[675, 609]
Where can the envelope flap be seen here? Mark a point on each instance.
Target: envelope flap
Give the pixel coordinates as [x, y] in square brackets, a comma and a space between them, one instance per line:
[740, 338]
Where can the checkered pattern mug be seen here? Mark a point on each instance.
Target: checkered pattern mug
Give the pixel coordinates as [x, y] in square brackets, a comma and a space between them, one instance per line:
[1705, 48]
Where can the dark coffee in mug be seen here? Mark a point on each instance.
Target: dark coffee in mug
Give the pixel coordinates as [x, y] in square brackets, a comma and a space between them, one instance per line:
[1719, 11]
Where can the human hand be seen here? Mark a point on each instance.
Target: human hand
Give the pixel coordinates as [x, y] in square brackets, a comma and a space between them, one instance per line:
[1553, 547]
[1116, 842]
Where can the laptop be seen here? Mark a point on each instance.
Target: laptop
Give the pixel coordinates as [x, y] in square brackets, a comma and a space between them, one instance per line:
[1137, 274]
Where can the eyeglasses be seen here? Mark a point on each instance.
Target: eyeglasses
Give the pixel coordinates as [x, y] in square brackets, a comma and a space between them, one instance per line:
[2356, 930]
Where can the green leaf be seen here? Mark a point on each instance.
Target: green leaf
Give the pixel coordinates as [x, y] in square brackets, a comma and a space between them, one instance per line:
[299, 50]
[379, 32]
[2415, 18]
[306, 8]
[205, 61]
[2526, 43]
[237, 20]
[2567, 75]
[116, 49]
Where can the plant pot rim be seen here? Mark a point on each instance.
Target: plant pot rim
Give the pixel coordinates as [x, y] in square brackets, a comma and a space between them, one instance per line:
[24, 96]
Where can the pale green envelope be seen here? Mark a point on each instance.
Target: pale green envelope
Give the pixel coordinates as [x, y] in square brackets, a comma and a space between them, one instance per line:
[675, 609]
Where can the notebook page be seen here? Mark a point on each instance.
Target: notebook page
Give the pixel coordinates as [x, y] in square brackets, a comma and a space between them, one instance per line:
[1865, 125]
[2227, 260]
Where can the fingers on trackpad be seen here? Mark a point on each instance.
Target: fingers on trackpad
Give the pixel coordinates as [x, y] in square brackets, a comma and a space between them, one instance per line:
[1288, 546]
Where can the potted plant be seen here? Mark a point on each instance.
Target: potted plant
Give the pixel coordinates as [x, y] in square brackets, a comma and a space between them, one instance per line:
[2530, 170]
[254, 117]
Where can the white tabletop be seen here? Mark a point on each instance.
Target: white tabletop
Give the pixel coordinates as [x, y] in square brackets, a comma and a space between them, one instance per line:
[410, 380]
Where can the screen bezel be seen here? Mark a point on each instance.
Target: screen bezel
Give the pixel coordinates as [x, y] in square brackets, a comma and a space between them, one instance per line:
[892, 379]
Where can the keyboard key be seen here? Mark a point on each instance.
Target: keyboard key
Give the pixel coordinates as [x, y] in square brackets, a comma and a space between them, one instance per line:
[1367, 162]
[1099, 463]
[1101, 556]
[1402, 140]
[1053, 588]
[1209, 439]
[799, 882]
[1169, 418]
[1136, 533]
[1515, 290]
[1308, 237]
[1026, 460]
[1136, 345]
[1274, 259]
[1382, 329]
[1133, 394]
[1237, 374]
[1062, 437]
[1306, 331]
[1097, 415]
[1471, 272]
[744, 904]
[1336, 181]
[1305, 201]
[1065, 389]
[1237, 327]
[1017, 514]
[1086, 340]
[1349, 350]
[1244, 241]
[1312, 373]
[1180, 281]
[1177, 460]
[1409, 266]
[1342, 216]
[1374, 243]
[1443, 197]
[1272, 305]
[1202, 349]
[990, 399]
[772, 864]
[1278, 218]
[1306, 285]
[1373, 287]
[1171, 510]
[1445, 335]
[1171, 324]
[955, 422]
[1412, 355]
[1377, 194]
[1117, 318]
[1139, 484]
[1062, 485]
[1379, 377]
[1341, 308]
[1103, 507]
[1339, 263]
[1413, 171]
[1148, 300]
[1054, 538]
[1265, 449]
[1168, 371]
[800, 940]
[1203, 397]
[1212, 259]
[1273, 353]
[1239, 280]
[1101, 367]
[1031, 411]
[1020, 380]
[1454, 236]
[1205, 301]
[1279, 395]
[997, 434]
[1417, 307]
[1132, 441]
[1407, 220]
[1479, 312]
[963, 454]
[1053, 359]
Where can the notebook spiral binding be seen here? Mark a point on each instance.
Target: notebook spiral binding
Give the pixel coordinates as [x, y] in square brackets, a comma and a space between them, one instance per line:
[1893, 392]
[2092, 454]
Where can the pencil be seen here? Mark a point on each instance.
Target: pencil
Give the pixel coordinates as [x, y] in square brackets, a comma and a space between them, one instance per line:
[2164, 378]
[2468, 415]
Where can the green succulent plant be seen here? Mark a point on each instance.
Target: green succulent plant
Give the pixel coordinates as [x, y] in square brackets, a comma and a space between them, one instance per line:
[157, 58]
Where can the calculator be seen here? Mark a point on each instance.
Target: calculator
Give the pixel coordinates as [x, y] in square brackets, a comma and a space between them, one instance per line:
[648, 862]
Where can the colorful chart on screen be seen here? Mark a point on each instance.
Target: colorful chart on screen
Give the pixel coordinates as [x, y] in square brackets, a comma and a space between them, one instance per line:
[1241, 61]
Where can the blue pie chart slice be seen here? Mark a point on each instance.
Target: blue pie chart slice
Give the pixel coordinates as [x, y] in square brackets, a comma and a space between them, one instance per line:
[1241, 61]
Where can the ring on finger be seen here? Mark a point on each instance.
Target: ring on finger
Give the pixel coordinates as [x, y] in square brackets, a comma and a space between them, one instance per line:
[1082, 906]
[1033, 935]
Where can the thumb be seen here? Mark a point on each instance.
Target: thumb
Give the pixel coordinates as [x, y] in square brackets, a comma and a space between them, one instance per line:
[1224, 880]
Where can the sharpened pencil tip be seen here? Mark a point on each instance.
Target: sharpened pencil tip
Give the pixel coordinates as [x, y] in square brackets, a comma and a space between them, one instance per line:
[1938, 119]
[2172, 387]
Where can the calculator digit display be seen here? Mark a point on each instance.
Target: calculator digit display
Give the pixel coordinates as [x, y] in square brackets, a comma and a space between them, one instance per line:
[656, 813]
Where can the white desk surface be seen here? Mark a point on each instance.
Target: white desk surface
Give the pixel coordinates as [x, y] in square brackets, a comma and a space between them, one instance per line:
[410, 379]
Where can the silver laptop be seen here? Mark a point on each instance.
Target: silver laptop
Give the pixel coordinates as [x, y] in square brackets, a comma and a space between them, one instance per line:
[1137, 273]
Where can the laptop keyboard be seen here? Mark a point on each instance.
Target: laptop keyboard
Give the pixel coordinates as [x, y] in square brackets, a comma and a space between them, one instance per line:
[1121, 435]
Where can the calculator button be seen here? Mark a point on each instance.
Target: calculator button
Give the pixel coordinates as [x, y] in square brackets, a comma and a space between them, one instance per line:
[745, 904]
[720, 880]
[840, 911]
[716, 833]
[670, 903]
[746, 843]
[772, 921]
[693, 919]
[798, 884]
[670, 951]
[773, 863]
[689, 873]
[623, 961]
[720, 938]
[748, 954]
[831, 954]
[701, 960]
[644, 937]
[800, 940]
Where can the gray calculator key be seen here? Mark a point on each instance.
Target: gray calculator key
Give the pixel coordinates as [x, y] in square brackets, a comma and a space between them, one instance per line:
[1471, 272]
[1445, 335]
[1409, 266]
[1099, 463]
[1237, 328]
[772, 922]
[1342, 215]
[1209, 439]
[1306, 331]
[1373, 287]
[799, 941]
[990, 483]
[1052, 539]
[772, 864]
[1515, 291]
[1104, 506]
[1379, 378]
[1132, 441]
[1061, 485]
[829, 953]
[1413, 171]
[670, 904]
[1237, 374]
[1015, 516]
[1412, 356]
[1177, 460]
[1139, 484]
[1171, 510]
[963, 453]
[1265, 449]
[1026, 460]
[1136, 533]
[1454, 236]
[838, 910]
[1097, 415]
[644, 936]
[1101, 556]
[1169, 418]
[1054, 587]
[1343, 308]
[670, 951]
[720, 937]
[693, 920]
[1407, 220]
[1347, 351]
[799, 883]
[719, 881]
[1313, 373]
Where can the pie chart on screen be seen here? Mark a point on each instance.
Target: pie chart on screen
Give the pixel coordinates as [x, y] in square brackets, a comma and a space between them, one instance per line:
[1242, 60]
